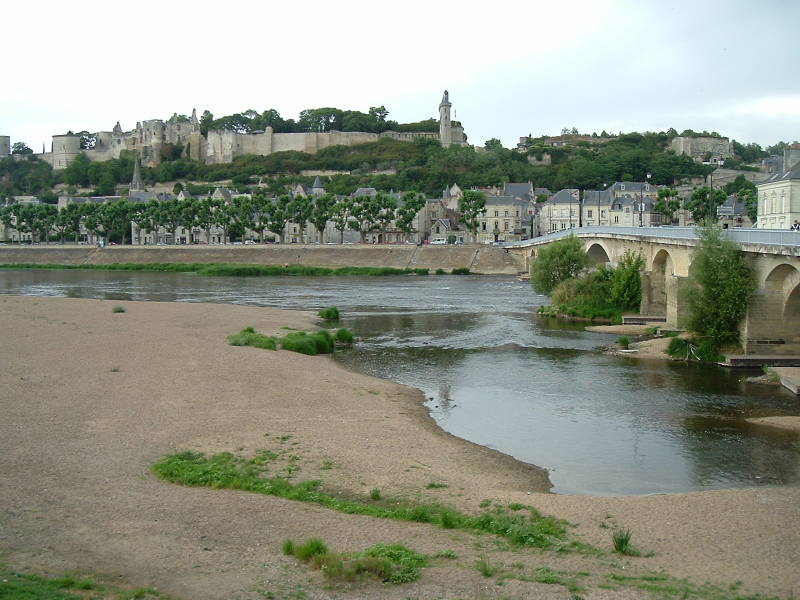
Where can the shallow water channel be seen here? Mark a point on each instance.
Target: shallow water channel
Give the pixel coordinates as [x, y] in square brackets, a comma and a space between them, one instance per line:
[496, 373]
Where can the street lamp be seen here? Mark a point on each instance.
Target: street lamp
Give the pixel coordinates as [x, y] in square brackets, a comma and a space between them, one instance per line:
[641, 202]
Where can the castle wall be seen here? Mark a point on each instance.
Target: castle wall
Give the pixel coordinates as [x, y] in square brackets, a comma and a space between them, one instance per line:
[697, 147]
[5, 146]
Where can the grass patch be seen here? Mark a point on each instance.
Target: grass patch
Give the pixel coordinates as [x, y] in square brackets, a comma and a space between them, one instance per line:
[26, 586]
[228, 270]
[318, 342]
[434, 485]
[460, 271]
[118, 309]
[390, 563]
[227, 471]
[375, 494]
[664, 586]
[651, 331]
[624, 341]
[249, 337]
[329, 314]
[343, 337]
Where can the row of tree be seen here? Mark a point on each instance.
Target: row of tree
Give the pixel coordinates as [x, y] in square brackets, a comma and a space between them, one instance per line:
[313, 120]
[258, 213]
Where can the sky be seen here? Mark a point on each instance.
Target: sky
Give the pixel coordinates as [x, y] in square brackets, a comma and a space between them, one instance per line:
[512, 68]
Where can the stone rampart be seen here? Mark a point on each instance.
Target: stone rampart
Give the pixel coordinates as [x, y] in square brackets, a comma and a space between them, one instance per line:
[487, 260]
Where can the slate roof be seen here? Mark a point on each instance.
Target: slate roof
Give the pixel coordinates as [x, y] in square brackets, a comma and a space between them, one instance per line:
[520, 190]
[317, 183]
[793, 173]
[596, 197]
[636, 187]
[563, 197]
[365, 191]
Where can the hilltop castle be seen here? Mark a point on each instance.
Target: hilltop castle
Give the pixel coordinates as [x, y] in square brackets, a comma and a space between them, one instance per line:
[222, 146]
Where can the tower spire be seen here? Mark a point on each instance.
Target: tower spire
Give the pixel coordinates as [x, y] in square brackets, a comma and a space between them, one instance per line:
[445, 128]
[136, 182]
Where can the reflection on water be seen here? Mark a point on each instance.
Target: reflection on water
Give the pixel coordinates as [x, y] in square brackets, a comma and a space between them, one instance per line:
[496, 373]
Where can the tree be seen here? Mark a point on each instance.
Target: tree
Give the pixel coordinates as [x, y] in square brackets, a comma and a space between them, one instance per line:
[704, 202]
[471, 205]
[493, 144]
[322, 212]
[667, 204]
[364, 212]
[300, 209]
[385, 206]
[626, 281]
[278, 215]
[20, 148]
[413, 202]
[77, 172]
[341, 216]
[206, 119]
[68, 221]
[721, 285]
[558, 261]
[750, 200]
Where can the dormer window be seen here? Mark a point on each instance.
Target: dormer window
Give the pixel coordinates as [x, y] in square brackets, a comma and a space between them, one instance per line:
[622, 186]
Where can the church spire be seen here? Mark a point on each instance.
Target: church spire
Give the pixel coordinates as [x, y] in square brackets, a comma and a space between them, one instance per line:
[136, 182]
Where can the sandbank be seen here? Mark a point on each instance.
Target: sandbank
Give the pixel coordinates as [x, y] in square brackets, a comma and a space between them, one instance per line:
[92, 398]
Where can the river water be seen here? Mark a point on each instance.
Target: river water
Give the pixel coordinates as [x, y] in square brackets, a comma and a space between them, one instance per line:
[498, 374]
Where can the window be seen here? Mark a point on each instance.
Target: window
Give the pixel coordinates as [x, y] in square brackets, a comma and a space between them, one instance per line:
[505, 213]
[483, 226]
[627, 209]
[496, 213]
[622, 186]
[505, 225]
[589, 214]
[616, 219]
[603, 214]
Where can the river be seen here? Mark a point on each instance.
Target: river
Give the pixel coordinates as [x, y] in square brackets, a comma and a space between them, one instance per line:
[496, 373]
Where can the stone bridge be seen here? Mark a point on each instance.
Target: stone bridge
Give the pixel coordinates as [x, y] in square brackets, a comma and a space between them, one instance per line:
[772, 324]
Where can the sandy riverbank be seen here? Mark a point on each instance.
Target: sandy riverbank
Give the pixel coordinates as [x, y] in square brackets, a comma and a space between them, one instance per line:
[91, 398]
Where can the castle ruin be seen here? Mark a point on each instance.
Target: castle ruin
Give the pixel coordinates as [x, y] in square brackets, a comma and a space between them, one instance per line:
[222, 146]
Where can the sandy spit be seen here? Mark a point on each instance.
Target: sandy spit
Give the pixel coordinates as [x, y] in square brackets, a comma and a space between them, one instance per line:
[90, 399]
[790, 423]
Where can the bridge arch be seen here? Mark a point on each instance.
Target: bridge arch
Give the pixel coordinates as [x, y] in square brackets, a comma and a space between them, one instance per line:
[661, 271]
[597, 253]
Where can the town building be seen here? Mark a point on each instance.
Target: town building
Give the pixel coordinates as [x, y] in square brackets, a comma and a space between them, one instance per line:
[779, 199]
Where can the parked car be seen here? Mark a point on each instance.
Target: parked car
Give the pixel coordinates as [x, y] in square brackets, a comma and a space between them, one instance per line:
[438, 242]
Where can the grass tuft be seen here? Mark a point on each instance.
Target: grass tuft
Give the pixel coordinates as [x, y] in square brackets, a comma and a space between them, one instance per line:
[344, 337]
[622, 542]
[624, 341]
[318, 342]
[435, 485]
[249, 337]
[375, 494]
[484, 567]
[329, 314]
[118, 309]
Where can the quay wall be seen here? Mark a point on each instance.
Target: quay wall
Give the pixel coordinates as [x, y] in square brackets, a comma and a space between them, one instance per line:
[488, 260]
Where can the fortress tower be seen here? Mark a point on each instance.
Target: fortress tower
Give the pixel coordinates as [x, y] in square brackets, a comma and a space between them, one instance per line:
[5, 146]
[445, 127]
[65, 148]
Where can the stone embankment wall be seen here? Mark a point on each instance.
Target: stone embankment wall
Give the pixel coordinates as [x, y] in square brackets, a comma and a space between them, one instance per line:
[489, 260]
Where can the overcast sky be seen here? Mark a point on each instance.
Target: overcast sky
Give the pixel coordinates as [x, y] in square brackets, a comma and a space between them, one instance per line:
[512, 68]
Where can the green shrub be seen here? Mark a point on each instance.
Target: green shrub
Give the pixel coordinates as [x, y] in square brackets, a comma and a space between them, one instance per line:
[704, 350]
[288, 547]
[118, 309]
[312, 547]
[721, 284]
[375, 494]
[626, 282]
[319, 342]
[558, 261]
[441, 272]
[330, 314]
[651, 331]
[344, 337]
[421, 271]
[249, 337]
[460, 271]
[623, 341]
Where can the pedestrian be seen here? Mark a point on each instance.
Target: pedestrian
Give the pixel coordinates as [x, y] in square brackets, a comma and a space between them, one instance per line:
[795, 226]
